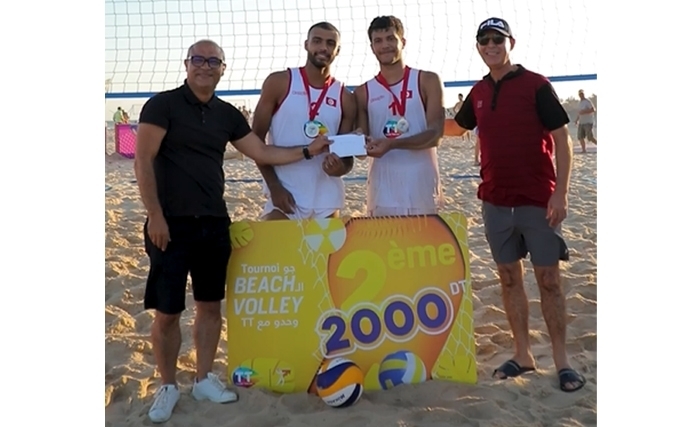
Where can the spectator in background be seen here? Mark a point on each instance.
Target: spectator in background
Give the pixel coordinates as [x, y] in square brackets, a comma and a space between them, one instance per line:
[455, 110]
[459, 103]
[118, 116]
[585, 120]
[246, 113]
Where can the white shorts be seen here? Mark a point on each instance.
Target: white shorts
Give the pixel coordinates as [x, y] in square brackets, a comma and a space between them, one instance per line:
[381, 211]
[299, 212]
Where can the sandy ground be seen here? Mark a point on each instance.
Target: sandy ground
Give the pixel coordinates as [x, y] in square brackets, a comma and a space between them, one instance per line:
[532, 400]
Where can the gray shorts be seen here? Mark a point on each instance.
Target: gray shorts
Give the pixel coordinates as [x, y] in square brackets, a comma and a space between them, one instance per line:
[585, 131]
[512, 233]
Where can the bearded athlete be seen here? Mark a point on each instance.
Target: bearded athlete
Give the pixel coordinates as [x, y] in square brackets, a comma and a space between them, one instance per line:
[296, 107]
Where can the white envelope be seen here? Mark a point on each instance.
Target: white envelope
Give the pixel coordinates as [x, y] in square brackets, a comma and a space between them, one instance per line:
[348, 145]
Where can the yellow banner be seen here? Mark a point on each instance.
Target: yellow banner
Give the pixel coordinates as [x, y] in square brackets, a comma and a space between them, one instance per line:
[391, 294]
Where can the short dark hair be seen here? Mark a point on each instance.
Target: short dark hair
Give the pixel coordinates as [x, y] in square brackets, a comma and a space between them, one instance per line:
[221, 51]
[384, 23]
[460, 95]
[324, 26]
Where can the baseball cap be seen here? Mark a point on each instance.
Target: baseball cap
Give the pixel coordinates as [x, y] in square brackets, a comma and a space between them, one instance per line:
[495, 24]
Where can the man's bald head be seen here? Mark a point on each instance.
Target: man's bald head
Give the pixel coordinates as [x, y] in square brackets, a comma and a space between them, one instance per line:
[208, 43]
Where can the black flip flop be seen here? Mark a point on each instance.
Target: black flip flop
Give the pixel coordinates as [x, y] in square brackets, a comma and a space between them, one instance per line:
[511, 369]
[568, 375]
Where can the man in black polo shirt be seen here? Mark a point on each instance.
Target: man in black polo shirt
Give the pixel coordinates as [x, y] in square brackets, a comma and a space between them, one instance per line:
[521, 124]
[181, 139]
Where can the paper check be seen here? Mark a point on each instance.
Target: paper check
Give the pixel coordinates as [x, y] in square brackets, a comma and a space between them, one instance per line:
[348, 145]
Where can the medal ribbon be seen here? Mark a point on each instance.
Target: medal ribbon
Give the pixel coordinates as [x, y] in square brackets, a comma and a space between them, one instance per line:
[400, 104]
[313, 108]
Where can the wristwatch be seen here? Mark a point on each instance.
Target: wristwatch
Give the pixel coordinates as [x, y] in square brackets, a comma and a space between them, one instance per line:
[307, 155]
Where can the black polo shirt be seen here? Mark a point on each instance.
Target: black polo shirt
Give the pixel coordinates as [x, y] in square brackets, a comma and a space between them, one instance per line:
[189, 165]
[515, 117]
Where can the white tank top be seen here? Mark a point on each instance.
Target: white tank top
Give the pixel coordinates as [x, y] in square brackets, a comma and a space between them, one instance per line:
[407, 179]
[311, 187]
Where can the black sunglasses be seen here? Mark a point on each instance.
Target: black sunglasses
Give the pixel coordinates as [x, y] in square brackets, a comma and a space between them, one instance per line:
[497, 39]
[199, 61]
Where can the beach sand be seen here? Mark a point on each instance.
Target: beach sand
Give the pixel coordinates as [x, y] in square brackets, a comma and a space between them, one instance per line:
[532, 400]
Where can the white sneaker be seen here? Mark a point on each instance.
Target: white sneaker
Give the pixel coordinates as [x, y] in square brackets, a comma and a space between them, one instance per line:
[211, 388]
[165, 400]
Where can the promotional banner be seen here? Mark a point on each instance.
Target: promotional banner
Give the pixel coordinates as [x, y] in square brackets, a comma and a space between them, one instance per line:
[393, 295]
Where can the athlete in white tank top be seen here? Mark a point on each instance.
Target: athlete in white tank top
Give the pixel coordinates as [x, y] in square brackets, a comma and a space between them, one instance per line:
[297, 106]
[402, 112]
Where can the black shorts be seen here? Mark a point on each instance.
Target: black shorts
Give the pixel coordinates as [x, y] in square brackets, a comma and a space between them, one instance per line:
[512, 233]
[200, 247]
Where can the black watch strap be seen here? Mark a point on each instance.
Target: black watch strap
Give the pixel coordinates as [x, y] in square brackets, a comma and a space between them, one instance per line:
[307, 155]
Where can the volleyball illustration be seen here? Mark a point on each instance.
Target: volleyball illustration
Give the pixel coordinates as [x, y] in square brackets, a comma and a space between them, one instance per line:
[453, 367]
[241, 234]
[339, 382]
[401, 367]
[325, 235]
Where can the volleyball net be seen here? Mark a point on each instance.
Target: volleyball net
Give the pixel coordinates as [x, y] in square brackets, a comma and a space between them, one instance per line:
[146, 41]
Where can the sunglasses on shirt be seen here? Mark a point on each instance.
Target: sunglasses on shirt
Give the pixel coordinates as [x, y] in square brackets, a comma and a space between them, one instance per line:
[497, 39]
[199, 61]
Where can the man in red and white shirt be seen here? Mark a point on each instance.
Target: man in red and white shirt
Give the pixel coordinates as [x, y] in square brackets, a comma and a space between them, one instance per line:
[521, 125]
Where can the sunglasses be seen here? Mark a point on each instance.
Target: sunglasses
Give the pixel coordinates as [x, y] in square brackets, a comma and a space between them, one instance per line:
[199, 61]
[497, 39]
